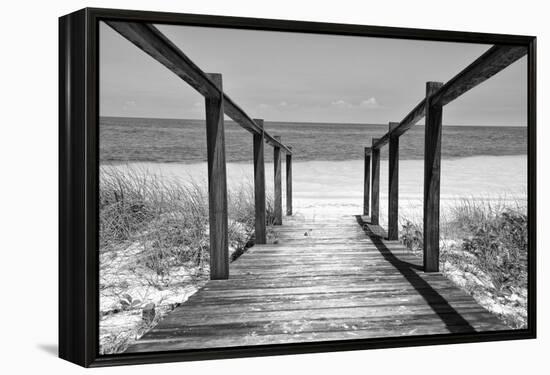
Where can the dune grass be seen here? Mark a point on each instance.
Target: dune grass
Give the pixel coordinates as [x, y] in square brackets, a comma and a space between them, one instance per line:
[154, 245]
[483, 248]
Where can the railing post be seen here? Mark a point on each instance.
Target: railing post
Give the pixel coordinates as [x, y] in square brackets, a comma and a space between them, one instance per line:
[432, 167]
[375, 184]
[259, 185]
[289, 183]
[393, 185]
[217, 183]
[277, 199]
[366, 182]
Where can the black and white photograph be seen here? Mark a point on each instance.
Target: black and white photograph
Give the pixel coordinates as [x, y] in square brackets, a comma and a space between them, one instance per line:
[261, 187]
[274, 187]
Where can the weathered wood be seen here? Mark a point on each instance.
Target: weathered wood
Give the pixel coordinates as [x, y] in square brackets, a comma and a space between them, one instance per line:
[484, 67]
[432, 171]
[375, 184]
[217, 183]
[150, 40]
[366, 182]
[315, 292]
[289, 183]
[278, 196]
[259, 186]
[393, 185]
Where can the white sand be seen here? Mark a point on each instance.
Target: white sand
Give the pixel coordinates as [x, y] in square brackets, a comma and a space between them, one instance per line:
[328, 188]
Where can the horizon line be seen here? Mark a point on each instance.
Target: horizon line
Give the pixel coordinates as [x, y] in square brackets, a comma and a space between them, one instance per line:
[311, 122]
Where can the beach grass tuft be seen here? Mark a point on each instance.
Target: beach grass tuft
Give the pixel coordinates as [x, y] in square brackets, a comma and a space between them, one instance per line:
[483, 248]
[154, 244]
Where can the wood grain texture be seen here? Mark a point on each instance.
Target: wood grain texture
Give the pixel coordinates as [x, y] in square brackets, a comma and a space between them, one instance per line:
[366, 182]
[432, 172]
[497, 58]
[393, 185]
[278, 189]
[289, 183]
[361, 286]
[375, 184]
[259, 186]
[217, 183]
[150, 40]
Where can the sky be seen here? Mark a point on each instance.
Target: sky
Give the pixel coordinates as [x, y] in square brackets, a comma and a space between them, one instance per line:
[281, 76]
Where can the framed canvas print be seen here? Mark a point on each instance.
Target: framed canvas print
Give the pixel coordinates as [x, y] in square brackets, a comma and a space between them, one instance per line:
[244, 187]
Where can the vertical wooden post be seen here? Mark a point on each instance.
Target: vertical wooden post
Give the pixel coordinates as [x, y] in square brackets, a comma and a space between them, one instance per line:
[393, 185]
[259, 185]
[366, 183]
[432, 166]
[289, 183]
[375, 184]
[277, 199]
[217, 184]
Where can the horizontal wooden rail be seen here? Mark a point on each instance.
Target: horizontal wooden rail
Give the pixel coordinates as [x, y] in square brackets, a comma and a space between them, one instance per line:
[487, 65]
[150, 40]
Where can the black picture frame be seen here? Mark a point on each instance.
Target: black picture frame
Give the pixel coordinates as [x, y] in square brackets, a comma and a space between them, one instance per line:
[79, 186]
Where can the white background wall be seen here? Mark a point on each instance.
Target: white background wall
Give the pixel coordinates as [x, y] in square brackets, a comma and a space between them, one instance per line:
[28, 187]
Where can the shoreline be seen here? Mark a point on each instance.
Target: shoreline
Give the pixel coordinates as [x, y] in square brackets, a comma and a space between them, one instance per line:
[336, 187]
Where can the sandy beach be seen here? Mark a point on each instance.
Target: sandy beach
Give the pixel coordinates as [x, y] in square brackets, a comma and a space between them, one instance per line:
[328, 188]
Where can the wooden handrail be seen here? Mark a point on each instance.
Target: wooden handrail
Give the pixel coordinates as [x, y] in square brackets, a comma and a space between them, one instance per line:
[438, 95]
[150, 40]
[153, 42]
[487, 65]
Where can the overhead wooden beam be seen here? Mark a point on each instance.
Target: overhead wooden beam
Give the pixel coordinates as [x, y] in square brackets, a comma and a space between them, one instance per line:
[217, 184]
[375, 185]
[150, 40]
[393, 185]
[497, 58]
[259, 186]
[484, 67]
[432, 172]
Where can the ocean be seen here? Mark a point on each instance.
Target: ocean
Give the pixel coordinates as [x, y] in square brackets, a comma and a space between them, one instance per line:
[124, 140]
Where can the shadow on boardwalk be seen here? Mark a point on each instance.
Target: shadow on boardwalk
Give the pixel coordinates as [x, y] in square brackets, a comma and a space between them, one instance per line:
[436, 301]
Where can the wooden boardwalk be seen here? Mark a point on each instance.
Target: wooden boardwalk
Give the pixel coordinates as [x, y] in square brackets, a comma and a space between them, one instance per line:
[337, 282]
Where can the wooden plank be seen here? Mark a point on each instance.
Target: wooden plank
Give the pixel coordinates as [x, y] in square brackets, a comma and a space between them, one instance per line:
[372, 313]
[452, 295]
[432, 171]
[289, 183]
[497, 58]
[259, 186]
[366, 182]
[278, 196]
[393, 185]
[217, 183]
[150, 40]
[347, 332]
[315, 301]
[375, 184]
[315, 291]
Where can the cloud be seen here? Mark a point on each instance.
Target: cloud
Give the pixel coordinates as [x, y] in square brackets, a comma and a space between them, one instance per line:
[197, 107]
[283, 104]
[369, 103]
[129, 104]
[341, 104]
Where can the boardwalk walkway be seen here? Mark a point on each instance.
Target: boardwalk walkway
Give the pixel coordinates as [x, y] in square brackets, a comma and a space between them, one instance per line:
[337, 282]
